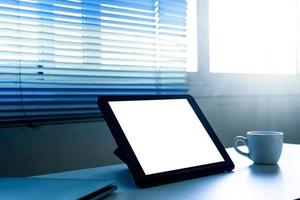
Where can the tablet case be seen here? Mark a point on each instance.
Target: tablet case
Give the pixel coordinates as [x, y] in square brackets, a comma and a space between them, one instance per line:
[126, 156]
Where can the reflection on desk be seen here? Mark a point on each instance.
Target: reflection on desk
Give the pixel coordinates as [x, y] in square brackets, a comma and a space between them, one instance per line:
[247, 181]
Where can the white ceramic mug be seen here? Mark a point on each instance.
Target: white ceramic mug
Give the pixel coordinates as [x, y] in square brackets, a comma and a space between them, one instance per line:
[264, 146]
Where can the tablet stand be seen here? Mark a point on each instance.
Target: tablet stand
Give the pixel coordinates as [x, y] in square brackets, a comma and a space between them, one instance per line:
[119, 153]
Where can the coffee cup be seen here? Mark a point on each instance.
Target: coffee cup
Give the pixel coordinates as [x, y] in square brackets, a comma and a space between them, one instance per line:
[264, 146]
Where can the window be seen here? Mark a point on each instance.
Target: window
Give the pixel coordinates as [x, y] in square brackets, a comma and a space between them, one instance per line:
[57, 57]
[254, 36]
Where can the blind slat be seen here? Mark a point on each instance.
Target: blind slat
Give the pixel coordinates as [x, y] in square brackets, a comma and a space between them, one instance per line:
[57, 57]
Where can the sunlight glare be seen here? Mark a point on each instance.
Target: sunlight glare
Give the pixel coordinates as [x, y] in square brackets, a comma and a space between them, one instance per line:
[250, 36]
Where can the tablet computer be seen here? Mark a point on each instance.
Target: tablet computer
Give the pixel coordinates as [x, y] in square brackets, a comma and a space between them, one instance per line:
[163, 138]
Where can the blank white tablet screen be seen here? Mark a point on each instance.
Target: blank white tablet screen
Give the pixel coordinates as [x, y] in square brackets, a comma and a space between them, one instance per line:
[165, 135]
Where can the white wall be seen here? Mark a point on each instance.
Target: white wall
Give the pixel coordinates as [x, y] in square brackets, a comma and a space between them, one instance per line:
[231, 116]
[45, 149]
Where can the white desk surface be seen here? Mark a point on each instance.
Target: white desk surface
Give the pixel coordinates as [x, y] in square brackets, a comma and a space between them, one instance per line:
[247, 181]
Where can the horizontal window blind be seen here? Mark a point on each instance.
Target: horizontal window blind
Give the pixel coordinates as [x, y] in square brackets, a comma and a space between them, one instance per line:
[58, 56]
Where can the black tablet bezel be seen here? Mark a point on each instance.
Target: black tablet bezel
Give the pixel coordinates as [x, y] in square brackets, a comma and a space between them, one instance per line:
[134, 166]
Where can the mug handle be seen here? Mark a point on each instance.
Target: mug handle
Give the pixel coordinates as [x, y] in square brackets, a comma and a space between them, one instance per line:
[244, 141]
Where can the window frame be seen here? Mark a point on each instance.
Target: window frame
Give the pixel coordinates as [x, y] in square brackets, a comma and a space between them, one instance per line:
[204, 83]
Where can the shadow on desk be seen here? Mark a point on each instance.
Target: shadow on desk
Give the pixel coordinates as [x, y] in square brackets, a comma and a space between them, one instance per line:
[265, 170]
